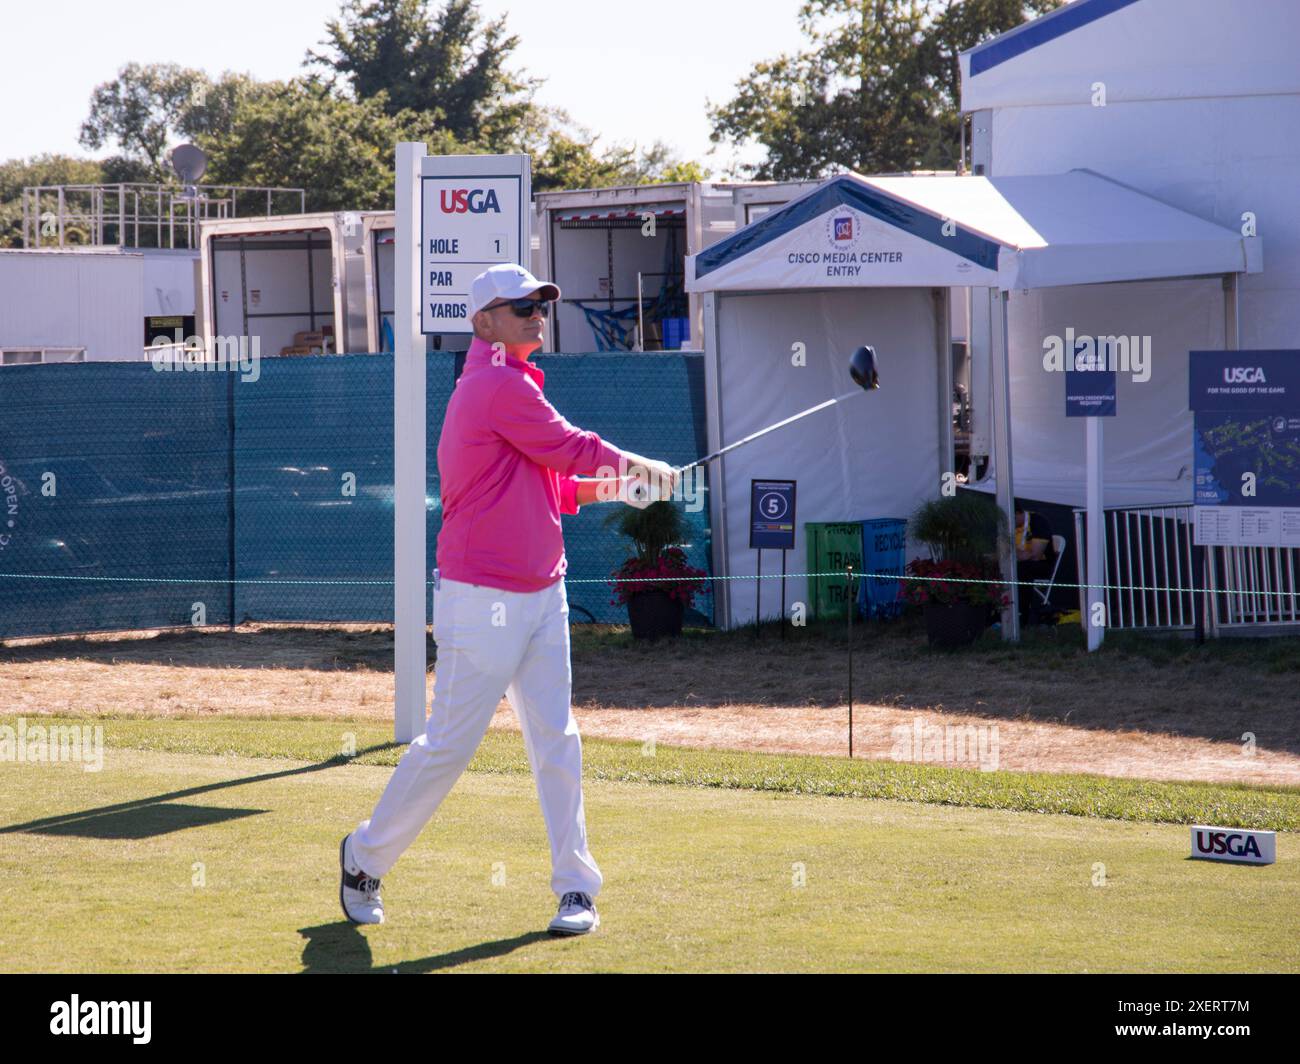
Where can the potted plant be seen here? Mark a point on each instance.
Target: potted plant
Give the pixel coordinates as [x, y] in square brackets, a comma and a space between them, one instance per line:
[958, 586]
[656, 583]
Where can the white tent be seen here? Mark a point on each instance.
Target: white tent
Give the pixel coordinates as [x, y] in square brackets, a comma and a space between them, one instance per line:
[868, 260]
[1195, 103]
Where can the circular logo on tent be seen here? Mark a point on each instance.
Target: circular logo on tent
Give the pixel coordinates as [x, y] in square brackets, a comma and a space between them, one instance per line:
[843, 229]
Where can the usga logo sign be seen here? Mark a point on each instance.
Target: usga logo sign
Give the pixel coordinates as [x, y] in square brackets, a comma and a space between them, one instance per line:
[1244, 375]
[1234, 844]
[471, 200]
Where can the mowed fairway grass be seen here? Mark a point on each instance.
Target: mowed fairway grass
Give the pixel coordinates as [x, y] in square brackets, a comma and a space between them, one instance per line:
[212, 846]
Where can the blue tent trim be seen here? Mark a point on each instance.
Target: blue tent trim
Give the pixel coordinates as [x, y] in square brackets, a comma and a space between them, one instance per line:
[1024, 38]
[847, 192]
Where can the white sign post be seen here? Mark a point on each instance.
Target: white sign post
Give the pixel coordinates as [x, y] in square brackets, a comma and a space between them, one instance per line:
[1096, 547]
[1091, 392]
[456, 216]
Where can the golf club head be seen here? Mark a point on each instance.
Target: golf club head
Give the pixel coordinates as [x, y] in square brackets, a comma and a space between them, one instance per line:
[862, 368]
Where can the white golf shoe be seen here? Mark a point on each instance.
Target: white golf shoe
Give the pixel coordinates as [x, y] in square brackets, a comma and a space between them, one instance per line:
[358, 892]
[577, 915]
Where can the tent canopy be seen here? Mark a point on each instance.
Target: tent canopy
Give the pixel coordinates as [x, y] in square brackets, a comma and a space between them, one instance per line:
[942, 230]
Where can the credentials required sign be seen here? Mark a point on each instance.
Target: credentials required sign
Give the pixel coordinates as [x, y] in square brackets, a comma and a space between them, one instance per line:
[1246, 441]
[1090, 389]
[771, 514]
[473, 214]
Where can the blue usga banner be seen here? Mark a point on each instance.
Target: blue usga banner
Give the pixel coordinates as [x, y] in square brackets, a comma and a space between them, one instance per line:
[1253, 381]
[1247, 427]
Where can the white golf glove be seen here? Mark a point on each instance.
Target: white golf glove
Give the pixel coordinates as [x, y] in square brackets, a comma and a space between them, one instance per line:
[636, 493]
[649, 481]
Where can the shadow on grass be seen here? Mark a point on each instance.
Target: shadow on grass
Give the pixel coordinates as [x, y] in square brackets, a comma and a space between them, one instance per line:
[145, 822]
[341, 947]
[146, 817]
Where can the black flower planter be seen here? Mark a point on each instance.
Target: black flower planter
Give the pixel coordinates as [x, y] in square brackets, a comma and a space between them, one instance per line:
[654, 613]
[955, 626]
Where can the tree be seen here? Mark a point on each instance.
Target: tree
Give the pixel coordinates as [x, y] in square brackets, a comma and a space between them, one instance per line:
[17, 174]
[452, 64]
[570, 161]
[566, 156]
[297, 134]
[659, 163]
[147, 110]
[877, 90]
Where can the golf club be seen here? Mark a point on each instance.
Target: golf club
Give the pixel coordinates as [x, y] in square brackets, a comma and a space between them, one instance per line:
[862, 368]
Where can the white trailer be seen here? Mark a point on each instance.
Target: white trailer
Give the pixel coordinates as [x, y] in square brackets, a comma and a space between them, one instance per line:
[325, 278]
[595, 243]
[92, 304]
[328, 279]
[275, 281]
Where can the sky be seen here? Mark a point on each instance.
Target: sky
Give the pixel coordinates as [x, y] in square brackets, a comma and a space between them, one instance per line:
[631, 72]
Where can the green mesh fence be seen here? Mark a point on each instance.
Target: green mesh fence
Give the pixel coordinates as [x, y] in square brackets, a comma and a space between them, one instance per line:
[136, 498]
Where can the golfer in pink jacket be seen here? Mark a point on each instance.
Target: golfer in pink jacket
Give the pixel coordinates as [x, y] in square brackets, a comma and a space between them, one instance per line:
[509, 466]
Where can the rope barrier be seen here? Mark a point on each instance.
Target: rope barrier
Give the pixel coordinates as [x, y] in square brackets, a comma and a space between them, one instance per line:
[838, 573]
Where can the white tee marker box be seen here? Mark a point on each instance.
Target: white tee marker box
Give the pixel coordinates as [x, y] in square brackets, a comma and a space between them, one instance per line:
[1237, 845]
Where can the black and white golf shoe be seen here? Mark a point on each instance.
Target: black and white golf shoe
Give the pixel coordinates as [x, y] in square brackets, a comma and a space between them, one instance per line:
[358, 892]
[577, 915]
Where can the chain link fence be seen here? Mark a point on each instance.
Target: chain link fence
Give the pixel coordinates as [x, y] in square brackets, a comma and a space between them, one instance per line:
[133, 498]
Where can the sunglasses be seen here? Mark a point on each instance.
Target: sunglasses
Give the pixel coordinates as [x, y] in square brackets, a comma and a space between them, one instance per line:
[524, 308]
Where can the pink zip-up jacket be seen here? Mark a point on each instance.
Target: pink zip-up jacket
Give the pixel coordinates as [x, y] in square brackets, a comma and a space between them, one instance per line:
[508, 463]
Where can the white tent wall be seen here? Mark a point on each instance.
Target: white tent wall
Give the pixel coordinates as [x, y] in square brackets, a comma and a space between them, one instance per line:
[1218, 159]
[1140, 50]
[1147, 445]
[1202, 111]
[873, 455]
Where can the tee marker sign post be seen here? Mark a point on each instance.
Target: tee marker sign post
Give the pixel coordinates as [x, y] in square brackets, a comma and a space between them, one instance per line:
[771, 525]
[473, 215]
[456, 216]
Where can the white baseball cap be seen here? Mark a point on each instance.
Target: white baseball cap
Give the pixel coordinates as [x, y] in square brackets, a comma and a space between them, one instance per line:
[507, 281]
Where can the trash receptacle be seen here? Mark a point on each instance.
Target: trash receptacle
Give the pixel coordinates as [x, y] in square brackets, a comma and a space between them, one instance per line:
[832, 545]
[884, 545]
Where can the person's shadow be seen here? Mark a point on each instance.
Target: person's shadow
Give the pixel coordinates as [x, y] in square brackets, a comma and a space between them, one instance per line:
[341, 947]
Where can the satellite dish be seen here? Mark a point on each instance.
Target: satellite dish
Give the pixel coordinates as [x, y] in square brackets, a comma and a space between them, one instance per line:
[190, 162]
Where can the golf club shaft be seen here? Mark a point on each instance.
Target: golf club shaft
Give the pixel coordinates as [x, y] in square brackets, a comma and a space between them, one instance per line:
[770, 428]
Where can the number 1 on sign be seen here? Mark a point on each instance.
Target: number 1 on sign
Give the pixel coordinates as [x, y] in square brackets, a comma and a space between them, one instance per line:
[499, 246]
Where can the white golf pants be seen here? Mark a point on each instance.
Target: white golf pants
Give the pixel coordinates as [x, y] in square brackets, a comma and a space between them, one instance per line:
[492, 642]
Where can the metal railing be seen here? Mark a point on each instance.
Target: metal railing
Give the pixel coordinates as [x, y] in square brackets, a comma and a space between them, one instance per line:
[1157, 578]
[136, 215]
[1255, 586]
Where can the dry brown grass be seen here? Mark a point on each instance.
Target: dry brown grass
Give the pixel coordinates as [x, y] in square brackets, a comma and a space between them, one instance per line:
[1120, 715]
